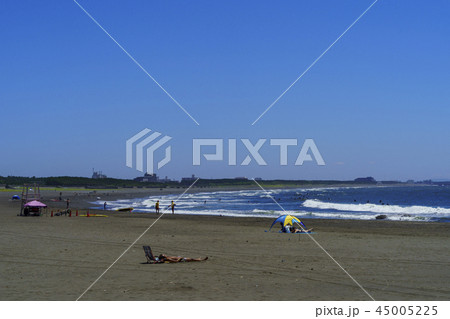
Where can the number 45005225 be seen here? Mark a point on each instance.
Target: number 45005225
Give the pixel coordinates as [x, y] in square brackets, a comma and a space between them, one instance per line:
[407, 310]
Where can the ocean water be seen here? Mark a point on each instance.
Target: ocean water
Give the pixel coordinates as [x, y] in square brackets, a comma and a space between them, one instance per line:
[409, 203]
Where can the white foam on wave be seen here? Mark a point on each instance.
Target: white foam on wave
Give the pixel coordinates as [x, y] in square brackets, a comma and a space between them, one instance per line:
[380, 209]
[238, 204]
[216, 212]
[319, 189]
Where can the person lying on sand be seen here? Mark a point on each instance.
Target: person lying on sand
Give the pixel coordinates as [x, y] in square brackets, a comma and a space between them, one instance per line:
[173, 259]
[295, 230]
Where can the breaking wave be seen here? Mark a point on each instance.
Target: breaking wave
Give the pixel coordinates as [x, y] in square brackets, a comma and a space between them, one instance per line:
[417, 203]
[379, 209]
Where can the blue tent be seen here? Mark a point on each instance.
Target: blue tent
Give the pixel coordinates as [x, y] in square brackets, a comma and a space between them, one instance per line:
[16, 197]
[288, 220]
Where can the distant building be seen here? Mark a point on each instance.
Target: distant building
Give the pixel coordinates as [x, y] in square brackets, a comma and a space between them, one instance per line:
[258, 179]
[98, 174]
[365, 180]
[188, 179]
[147, 178]
[152, 178]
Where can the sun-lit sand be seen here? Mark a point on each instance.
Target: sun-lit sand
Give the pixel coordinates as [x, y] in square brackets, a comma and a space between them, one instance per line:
[44, 258]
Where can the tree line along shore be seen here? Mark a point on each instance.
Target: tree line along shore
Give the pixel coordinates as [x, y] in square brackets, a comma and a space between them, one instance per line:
[114, 183]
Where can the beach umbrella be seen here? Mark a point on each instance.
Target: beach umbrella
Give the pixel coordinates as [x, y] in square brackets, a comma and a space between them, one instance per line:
[287, 220]
[35, 203]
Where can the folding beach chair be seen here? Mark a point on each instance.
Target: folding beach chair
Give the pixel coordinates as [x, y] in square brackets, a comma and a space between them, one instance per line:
[149, 255]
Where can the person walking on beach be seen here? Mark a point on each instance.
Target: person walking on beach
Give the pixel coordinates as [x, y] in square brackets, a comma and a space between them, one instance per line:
[157, 206]
[67, 203]
[172, 206]
[104, 206]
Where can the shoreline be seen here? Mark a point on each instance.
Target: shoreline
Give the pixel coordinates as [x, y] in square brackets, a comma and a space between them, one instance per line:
[85, 199]
[299, 210]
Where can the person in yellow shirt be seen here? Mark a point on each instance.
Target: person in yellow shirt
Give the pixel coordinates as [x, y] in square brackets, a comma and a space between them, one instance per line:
[172, 206]
[157, 206]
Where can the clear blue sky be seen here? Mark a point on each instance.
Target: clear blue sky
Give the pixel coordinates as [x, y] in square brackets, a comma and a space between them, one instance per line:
[377, 104]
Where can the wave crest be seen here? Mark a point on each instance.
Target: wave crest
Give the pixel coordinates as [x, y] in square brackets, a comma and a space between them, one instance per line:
[376, 208]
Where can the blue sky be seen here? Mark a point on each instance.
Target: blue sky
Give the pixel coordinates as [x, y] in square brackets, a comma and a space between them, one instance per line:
[377, 104]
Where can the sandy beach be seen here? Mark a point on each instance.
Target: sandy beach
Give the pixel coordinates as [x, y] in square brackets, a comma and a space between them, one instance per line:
[45, 258]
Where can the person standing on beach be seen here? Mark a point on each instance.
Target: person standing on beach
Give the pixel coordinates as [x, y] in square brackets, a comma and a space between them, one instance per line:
[67, 203]
[172, 206]
[157, 206]
[104, 206]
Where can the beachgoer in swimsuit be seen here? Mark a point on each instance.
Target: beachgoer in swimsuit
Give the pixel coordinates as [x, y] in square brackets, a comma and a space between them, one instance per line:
[173, 259]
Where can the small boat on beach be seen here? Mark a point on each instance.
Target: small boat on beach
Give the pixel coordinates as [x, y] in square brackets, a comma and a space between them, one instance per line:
[125, 209]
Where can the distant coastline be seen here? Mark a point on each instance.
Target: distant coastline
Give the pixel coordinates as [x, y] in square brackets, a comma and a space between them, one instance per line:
[80, 183]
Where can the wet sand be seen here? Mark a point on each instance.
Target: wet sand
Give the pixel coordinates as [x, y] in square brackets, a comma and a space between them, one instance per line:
[45, 258]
